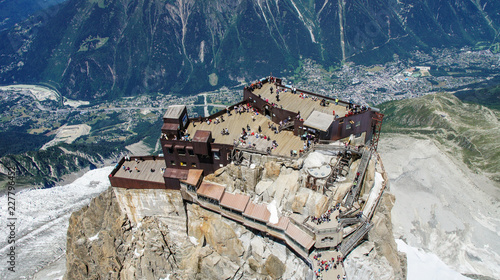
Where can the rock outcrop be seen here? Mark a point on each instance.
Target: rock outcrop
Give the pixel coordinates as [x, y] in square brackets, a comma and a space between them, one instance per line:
[153, 234]
[103, 242]
[378, 258]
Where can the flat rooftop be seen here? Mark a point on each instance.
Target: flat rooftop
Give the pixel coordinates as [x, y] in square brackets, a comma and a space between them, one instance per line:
[174, 111]
[147, 170]
[257, 211]
[211, 190]
[304, 239]
[236, 202]
[234, 123]
[293, 102]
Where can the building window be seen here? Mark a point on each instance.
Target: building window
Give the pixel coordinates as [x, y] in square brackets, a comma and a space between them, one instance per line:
[191, 188]
[358, 123]
[183, 163]
[205, 159]
[348, 126]
[181, 152]
[190, 152]
[217, 155]
[172, 162]
[170, 151]
[193, 164]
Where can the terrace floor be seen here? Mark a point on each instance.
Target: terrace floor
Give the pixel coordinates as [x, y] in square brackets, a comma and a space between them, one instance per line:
[234, 123]
[293, 102]
[327, 256]
[147, 170]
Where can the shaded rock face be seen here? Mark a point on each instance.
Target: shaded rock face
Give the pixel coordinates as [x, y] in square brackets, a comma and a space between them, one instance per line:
[103, 244]
[274, 267]
[209, 227]
[225, 249]
[96, 234]
[153, 234]
[378, 258]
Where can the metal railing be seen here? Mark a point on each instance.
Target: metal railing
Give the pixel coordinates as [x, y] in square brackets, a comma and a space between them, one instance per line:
[348, 244]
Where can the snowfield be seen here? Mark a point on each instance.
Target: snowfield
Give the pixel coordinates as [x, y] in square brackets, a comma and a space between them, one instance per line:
[42, 222]
[422, 265]
[442, 207]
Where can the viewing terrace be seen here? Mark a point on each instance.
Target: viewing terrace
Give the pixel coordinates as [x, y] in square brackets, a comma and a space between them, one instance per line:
[295, 102]
[236, 122]
[139, 172]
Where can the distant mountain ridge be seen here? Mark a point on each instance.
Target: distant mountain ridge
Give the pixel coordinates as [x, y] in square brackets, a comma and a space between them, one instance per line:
[14, 11]
[467, 131]
[103, 49]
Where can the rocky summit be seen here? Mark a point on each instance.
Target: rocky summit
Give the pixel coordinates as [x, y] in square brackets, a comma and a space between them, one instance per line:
[156, 234]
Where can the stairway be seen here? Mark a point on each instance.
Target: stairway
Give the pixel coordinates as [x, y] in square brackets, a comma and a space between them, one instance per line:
[348, 244]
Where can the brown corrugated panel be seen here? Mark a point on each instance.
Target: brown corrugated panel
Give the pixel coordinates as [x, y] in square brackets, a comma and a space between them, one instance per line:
[295, 233]
[211, 190]
[201, 136]
[237, 202]
[257, 211]
[193, 177]
[282, 223]
[174, 111]
[181, 174]
[170, 126]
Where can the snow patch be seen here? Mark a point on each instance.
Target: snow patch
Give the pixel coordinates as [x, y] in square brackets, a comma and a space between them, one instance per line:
[95, 237]
[54, 272]
[137, 253]
[193, 240]
[274, 212]
[374, 194]
[422, 265]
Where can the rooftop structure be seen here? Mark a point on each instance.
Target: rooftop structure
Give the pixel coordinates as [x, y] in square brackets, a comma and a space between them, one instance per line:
[282, 122]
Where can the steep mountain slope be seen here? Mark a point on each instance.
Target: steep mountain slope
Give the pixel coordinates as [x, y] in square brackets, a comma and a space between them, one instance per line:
[469, 132]
[104, 49]
[14, 11]
[439, 153]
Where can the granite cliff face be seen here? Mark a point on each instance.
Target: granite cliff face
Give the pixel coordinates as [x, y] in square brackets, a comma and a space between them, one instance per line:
[378, 258]
[103, 242]
[153, 234]
[106, 49]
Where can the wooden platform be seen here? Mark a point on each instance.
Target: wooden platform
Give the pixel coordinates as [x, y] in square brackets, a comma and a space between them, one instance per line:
[292, 102]
[234, 123]
[144, 170]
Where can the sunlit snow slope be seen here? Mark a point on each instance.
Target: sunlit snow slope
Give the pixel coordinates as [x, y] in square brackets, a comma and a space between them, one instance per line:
[42, 221]
[442, 207]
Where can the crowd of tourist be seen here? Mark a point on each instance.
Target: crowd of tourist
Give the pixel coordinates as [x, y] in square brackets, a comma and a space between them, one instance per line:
[325, 265]
[325, 217]
[184, 136]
